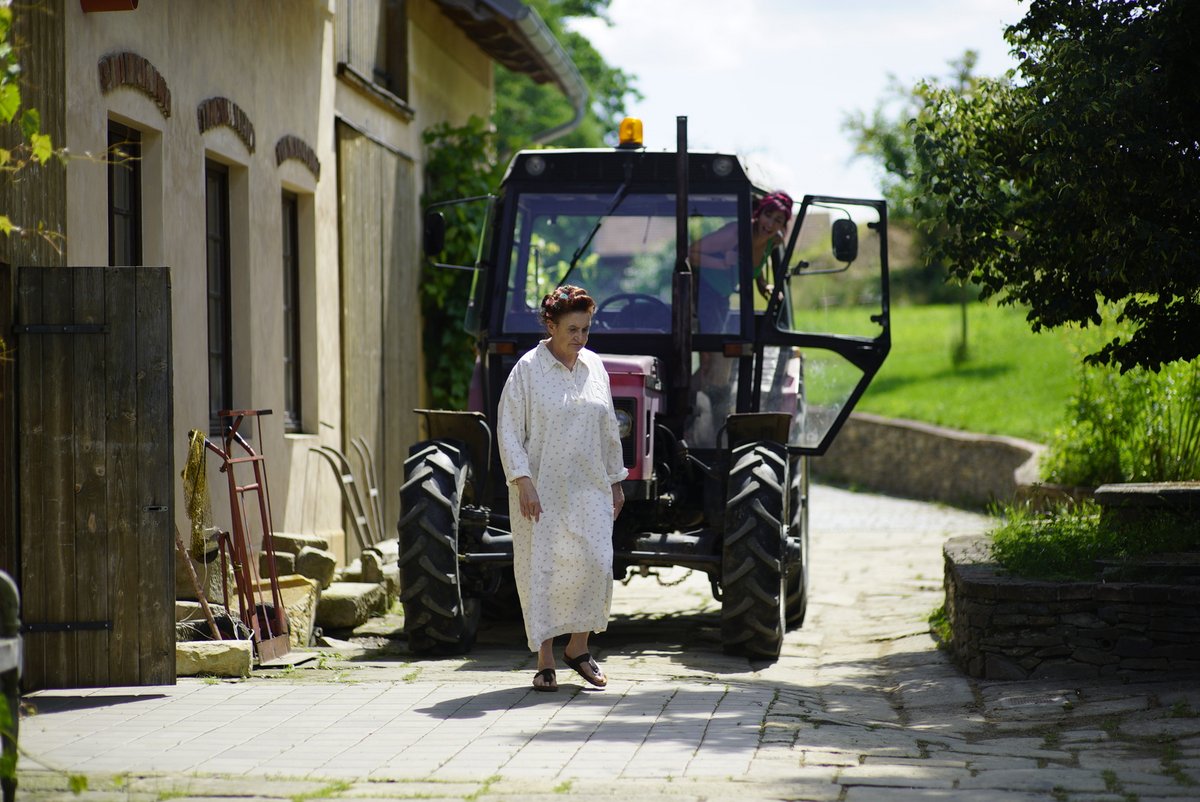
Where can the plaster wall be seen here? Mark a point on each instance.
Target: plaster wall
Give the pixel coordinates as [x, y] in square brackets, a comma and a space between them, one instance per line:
[277, 63]
[283, 83]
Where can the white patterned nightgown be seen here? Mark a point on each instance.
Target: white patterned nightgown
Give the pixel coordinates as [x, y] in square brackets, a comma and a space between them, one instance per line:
[558, 427]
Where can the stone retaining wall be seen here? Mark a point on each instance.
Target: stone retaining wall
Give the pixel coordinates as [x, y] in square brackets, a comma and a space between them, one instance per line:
[918, 460]
[1005, 627]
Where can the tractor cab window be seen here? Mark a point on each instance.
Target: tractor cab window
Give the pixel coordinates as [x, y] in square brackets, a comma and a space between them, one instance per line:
[832, 286]
[623, 255]
[621, 250]
[715, 257]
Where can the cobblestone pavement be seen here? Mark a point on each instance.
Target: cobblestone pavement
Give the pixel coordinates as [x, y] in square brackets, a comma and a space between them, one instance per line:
[861, 706]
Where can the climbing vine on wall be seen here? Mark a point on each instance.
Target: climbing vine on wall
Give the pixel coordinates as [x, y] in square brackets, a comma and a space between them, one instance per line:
[460, 163]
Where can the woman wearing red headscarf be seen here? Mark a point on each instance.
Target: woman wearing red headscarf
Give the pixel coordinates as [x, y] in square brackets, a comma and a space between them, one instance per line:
[715, 259]
[768, 221]
[715, 256]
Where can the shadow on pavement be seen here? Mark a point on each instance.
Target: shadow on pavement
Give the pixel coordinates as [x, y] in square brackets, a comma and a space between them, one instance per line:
[65, 704]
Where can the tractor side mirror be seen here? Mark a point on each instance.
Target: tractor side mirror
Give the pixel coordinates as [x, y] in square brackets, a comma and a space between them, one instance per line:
[845, 240]
[435, 233]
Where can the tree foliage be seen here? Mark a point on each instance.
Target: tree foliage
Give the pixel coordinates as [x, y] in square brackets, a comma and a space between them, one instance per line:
[32, 146]
[885, 137]
[1070, 185]
[525, 109]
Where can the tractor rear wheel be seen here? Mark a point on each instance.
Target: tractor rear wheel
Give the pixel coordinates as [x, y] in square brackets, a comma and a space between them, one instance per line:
[438, 619]
[796, 564]
[754, 554]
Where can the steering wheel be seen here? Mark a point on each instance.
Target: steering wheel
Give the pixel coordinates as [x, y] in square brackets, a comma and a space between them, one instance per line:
[632, 300]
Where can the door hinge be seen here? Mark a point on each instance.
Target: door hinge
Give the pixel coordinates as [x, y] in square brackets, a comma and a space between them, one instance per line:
[60, 328]
[68, 626]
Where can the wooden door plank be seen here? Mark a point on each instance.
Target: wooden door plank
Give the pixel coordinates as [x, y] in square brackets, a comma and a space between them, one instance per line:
[10, 550]
[32, 450]
[155, 478]
[121, 467]
[91, 481]
[362, 290]
[401, 327]
[58, 478]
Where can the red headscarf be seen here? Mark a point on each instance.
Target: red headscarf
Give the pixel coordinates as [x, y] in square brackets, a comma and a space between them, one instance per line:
[775, 201]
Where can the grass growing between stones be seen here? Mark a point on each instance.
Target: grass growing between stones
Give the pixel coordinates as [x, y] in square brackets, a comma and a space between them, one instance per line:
[939, 627]
[1067, 543]
[325, 792]
[1171, 767]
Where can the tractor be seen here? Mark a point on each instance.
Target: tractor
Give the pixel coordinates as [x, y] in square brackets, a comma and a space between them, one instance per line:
[722, 393]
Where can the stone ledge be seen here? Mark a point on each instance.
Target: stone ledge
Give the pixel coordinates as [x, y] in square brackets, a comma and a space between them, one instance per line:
[918, 460]
[1007, 627]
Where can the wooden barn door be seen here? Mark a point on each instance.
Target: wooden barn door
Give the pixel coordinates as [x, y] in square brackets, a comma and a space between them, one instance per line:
[381, 307]
[95, 496]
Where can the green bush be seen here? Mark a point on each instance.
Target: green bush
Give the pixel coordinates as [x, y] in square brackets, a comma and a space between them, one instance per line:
[1067, 541]
[1133, 427]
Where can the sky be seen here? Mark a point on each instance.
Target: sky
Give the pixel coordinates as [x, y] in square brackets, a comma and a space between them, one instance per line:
[773, 80]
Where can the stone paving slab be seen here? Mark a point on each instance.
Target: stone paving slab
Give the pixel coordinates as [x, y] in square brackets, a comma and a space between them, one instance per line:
[861, 706]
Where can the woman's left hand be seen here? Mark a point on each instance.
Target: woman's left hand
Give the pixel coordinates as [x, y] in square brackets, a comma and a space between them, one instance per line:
[618, 499]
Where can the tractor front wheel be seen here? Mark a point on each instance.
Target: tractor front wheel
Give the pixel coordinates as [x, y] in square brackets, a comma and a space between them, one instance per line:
[753, 575]
[438, 619]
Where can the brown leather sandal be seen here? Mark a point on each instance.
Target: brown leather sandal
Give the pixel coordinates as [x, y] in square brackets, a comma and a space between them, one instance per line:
[596, 676]
[549, 683]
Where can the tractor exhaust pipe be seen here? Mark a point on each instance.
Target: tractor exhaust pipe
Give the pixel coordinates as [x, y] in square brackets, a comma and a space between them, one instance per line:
[682, 286]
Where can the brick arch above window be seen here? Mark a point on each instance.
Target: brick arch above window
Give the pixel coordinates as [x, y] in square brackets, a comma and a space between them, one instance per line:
[293, 147]
[217, 111]
[130, 70]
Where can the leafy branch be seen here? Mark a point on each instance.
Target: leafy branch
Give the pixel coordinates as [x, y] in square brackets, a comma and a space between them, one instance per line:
[34, 147]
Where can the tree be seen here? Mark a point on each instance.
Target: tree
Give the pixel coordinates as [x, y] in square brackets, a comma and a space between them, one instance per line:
[524, 108]
[885, 137]
[1071, 184]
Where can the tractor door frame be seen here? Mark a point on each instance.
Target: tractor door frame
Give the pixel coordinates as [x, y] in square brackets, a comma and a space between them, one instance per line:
[861, 352]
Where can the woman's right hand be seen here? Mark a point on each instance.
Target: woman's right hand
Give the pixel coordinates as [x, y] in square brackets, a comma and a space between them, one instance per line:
[531, 505]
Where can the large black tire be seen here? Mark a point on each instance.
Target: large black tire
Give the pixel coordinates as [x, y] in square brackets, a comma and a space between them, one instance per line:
[796, 605]
[753, 553]
[438, 619]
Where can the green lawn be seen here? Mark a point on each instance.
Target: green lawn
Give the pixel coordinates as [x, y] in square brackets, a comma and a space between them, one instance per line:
[1013, 382]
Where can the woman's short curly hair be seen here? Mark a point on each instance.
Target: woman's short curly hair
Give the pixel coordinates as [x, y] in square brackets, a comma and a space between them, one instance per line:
[564, 299]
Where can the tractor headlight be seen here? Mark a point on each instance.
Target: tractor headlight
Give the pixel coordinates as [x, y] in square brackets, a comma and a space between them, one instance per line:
[624, 423]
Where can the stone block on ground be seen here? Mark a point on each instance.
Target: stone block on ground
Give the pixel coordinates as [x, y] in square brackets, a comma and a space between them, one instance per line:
[389, 550]
[316, 564]
[218, 658]
[285, 563]
[391, 580]
[371, 565]
[192, 611]
[208, 577]
[345, 605]
[301, 596]
[294, 543]
[352, 572]
[192, 624]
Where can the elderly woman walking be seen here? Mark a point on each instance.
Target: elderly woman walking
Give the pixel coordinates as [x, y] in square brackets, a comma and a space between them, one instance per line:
[561, 452]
